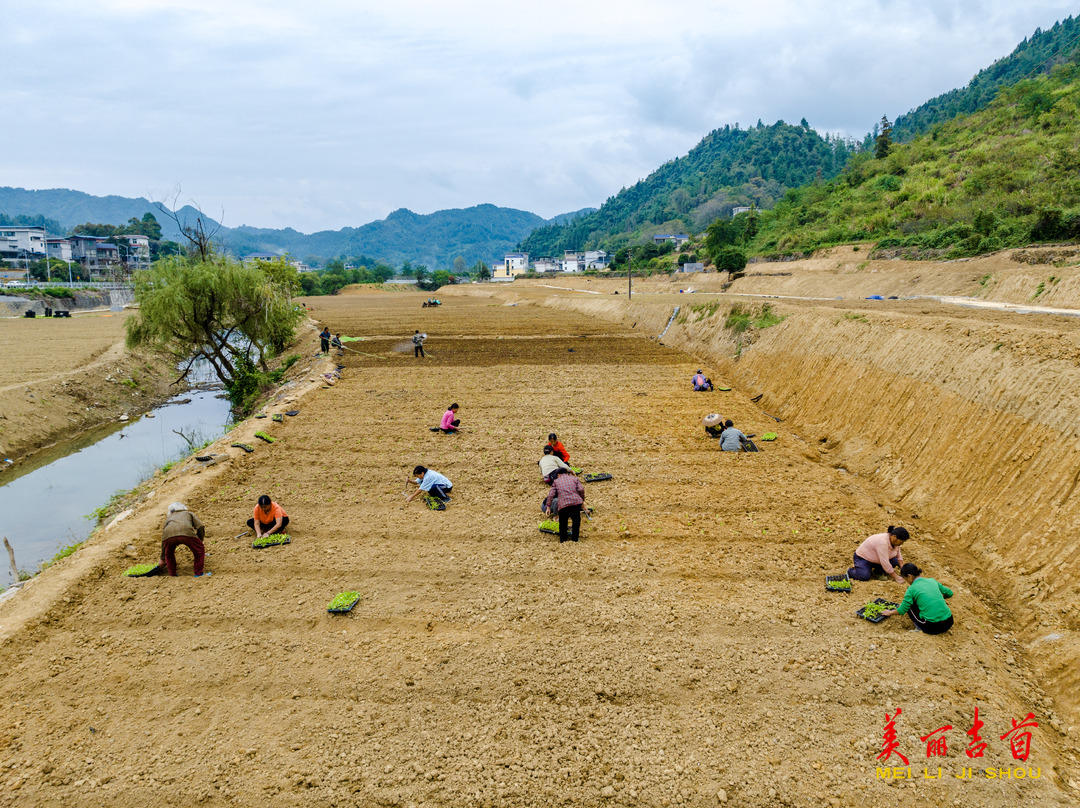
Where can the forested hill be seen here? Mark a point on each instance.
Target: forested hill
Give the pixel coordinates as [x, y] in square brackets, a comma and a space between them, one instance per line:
[1036, 55]
[1005, 176]
[729, 167]
[478, 233]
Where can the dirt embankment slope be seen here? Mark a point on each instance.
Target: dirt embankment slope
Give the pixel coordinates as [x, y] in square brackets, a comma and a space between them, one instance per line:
[60, 377]
[684, 653]
[966, 417]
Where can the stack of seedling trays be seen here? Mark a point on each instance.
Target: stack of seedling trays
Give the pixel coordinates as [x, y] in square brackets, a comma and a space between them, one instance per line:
[597, 477]
[838, 583]
[143, 570]
[872, 611]
[273, 540]
[343, 602]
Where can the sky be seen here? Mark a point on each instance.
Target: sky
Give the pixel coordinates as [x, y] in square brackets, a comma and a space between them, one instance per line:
[324, 114]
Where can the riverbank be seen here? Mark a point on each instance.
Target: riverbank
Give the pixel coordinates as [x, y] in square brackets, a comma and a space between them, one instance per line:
[61, 377]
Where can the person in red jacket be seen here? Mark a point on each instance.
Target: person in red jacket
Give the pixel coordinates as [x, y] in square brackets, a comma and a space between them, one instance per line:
[557, 448]
[567, 488]
[269, 518]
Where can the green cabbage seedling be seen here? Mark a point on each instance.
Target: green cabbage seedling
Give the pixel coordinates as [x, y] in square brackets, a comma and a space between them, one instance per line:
[264, 436]
[140, 569]
[839, 586]
[769, 436]
[272, 540]
[343, 601]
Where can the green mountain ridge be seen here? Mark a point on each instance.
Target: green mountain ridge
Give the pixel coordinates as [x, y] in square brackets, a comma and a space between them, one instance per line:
[477, 233]
[1005, 176]
[728, 168]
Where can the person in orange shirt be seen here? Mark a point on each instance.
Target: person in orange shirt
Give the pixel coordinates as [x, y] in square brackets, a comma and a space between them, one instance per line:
[269, 517]
[557, 448]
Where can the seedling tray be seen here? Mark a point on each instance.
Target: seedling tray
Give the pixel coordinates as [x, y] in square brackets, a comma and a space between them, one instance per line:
[277, 418]
[273, 540]
[435, 504]
[343, 602]
[769, 436]
[263, 415]
[887, 604]
[143, 570]
[576, 469]
[292, 412]
[595, 478]
[247, 447]
[724, 389]
[549, 526]
[838, 579]
[265, 437]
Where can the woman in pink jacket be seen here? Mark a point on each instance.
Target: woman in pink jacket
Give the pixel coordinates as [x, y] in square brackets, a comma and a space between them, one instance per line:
[880, 553]
[450, 422]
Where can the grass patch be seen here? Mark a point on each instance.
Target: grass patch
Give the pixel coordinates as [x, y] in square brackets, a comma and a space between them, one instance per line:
[858, 317]
[705, 310]
[741, 318]
[99, 514]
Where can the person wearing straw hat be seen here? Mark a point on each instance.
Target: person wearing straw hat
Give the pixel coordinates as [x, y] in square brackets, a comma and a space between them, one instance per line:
[714, 424]
[182, 527]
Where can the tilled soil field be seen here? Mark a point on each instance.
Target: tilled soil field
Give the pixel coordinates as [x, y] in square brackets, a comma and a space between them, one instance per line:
[683, 653]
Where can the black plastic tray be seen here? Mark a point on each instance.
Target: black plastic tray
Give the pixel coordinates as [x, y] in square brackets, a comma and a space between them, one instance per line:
[831, 578]
[346, 609]
[277, 418]
[292, 412]
[887, 603]
[595, 478]
[548, 530]
[285, 539]
[246, 447]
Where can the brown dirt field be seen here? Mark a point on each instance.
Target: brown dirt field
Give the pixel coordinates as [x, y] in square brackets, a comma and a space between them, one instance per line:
[684, 653]
[61, 377]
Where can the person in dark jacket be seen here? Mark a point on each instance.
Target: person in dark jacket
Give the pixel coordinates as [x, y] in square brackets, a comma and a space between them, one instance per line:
[571, 496]
[324, 339]
[924, 602]
[182, 527]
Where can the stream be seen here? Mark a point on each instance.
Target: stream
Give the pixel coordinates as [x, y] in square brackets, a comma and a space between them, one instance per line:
[47, 502]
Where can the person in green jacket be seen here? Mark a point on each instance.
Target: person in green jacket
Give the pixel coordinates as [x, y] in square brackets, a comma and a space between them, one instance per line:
[924, 602]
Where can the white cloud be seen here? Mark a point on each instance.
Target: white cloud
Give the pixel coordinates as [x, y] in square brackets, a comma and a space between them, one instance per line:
[327, 114]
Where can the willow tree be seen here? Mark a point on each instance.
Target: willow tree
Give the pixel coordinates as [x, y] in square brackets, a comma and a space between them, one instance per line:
[235, 316]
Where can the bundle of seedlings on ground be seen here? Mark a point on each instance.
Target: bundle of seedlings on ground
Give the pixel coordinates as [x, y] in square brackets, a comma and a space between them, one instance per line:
[549, 526]
[142, 570]
[872, 611]
[837, 583]
[263, 436]
[261, 415]
[769, 436]
[343, 602]
[724, 389]
[278, 417]
[597, 477]
[273, 540]
[576, 469]
[247, 447]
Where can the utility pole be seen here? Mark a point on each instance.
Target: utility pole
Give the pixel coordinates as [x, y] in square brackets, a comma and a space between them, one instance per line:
[629, 272]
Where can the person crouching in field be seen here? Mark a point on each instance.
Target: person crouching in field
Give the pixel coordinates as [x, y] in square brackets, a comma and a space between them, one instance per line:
[269, 517]
[924, 602]
[182, 527]
[558, 448]
[879, 554]
[450, 422]
[570, 494]
[551, 462]
[430, 482]
[701, 383]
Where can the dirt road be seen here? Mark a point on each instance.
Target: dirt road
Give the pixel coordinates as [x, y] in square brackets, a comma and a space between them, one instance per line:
[684, 653]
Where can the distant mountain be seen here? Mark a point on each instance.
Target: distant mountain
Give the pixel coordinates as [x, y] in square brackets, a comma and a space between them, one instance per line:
[728, 168]
[478, 233]
[1034, 56]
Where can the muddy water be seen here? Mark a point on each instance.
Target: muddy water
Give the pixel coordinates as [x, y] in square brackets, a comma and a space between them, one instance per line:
[44, 504]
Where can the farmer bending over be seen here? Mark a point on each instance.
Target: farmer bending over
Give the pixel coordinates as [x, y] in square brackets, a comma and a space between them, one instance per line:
[880, 553]
[701, 384]
[336, 342]
[269, 517]
[924, 602]
[182, 527]
[432, 483]
[450, 421]
[549, 463]
[714, 425]
[558, 448]
[570, 493]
